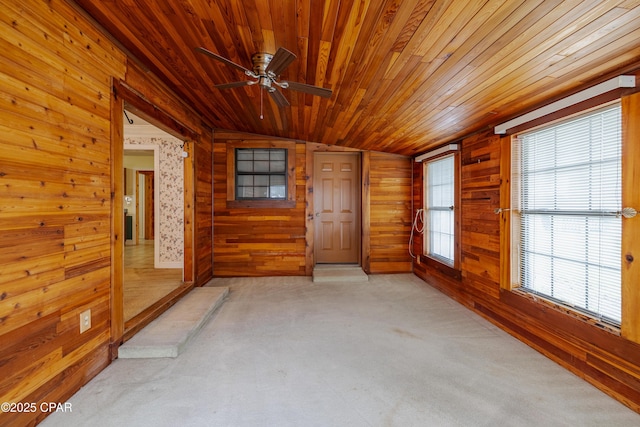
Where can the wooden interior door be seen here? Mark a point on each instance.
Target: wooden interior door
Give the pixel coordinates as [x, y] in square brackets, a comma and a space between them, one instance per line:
[336, 203]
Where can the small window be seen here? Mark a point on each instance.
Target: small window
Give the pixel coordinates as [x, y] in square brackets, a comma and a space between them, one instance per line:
[261, 173]
[440, 209]
[566, 202]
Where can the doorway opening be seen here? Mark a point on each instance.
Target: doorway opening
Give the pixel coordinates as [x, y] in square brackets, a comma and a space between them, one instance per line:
[154, 217]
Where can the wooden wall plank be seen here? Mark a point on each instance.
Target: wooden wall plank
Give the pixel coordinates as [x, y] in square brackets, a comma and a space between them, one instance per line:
[60, 176]
[389, 213]
[203, 228]
[631, 227]
[54, 199]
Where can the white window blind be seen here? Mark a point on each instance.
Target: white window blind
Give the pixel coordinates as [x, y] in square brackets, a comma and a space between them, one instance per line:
[567, 198]
[440, 219]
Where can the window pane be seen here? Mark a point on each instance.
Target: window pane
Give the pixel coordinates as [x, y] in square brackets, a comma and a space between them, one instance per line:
[277, 189]
[262, 180]
[277, 166]
[440, 219]
[278, 155]
[244, 166]
[261, 155]
[243, 154]
[245, 192]
[261, 166]
[568, 181]
[245, 180]
[277, 192]
[261, 173]
[261, 192]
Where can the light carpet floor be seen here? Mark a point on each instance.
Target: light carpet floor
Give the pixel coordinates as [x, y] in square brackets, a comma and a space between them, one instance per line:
[389, 352]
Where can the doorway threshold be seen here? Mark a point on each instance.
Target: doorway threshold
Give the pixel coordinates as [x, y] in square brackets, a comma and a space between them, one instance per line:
[336, 273]
[138, 322]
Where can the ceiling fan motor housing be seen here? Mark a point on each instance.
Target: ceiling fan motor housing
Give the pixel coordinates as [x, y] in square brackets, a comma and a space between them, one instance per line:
[260, 63]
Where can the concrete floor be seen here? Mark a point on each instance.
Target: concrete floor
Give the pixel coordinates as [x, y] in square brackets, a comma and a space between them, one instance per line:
[388, 352]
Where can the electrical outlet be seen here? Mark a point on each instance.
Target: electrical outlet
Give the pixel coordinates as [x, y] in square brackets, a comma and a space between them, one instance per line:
[85, 320]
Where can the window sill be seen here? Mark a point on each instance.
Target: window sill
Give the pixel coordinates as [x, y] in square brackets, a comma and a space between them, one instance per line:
[261, 204]
[565, 309]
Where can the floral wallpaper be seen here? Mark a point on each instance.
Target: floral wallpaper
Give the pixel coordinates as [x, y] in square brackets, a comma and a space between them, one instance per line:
[170, 179]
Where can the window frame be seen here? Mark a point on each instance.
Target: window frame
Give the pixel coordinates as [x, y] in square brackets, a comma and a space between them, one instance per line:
[288, 202]
[438, 263]
[269, 174]
[510, 258]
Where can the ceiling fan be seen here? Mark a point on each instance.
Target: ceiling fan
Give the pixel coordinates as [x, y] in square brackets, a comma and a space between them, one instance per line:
[266, 71]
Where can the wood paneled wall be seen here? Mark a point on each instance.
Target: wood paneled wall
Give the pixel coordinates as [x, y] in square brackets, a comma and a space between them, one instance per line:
[279, 241]
[203, 227]
[388, 178]
[602, 357]
[257, 241]
[55, 202]
[57, 205]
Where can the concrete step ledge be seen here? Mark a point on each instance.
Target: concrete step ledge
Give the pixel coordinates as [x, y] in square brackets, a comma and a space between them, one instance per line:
[335, 273]
[169, 334]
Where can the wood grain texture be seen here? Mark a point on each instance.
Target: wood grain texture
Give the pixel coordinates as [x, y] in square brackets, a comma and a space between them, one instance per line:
[203, 206]
[55, 201]
[255, 240]
[607, 359]
[389, 213]
[631, 226]
[406, 76]
[117, 226]
[480, 193]
[61, 187]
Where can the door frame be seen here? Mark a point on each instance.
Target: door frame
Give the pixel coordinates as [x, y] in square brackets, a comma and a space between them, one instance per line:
[123, 97]
[156, 194]
[311, 150]
[355, 254]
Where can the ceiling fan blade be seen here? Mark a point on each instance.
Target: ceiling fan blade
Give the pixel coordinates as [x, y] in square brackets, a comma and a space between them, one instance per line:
[235, 84]
[222, 59]
[280, 61]
[310, 89]
[279, 98]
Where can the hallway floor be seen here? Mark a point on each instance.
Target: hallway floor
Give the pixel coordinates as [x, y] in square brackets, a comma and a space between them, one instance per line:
[144, 284]
[389, 352]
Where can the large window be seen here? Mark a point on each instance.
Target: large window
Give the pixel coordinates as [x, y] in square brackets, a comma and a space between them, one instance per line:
[439, 209]
[566, 203]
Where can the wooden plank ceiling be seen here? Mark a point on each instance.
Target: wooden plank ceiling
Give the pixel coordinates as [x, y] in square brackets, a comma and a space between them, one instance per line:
[406, 75]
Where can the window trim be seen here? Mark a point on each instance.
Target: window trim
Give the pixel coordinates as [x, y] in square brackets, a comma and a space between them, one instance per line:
[509, 258]
[630, 325]
[290, 200]
[281, 173]
[451, 270]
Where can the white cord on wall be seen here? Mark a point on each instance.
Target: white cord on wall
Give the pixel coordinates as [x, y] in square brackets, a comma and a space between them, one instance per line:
[417, 228]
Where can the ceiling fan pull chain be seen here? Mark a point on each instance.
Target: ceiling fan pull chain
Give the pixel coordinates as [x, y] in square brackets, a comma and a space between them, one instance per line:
[261, 116]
